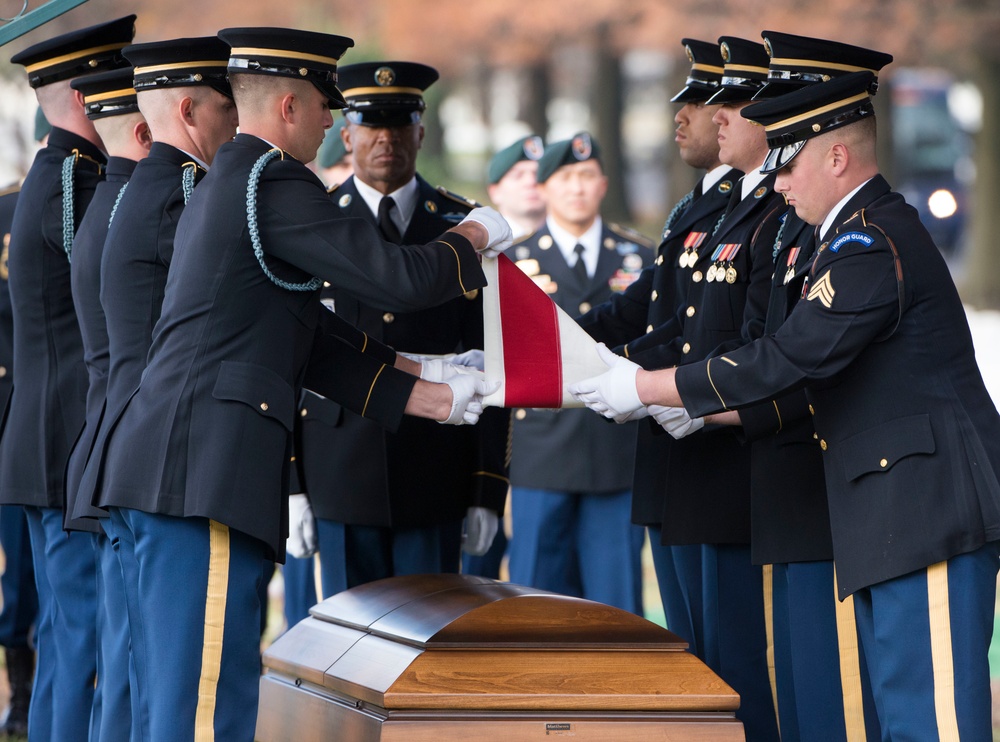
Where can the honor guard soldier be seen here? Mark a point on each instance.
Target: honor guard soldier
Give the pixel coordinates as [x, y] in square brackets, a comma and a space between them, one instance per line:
[392, 503]
[707, 482]
[652, 301]
[570, 471]
[195, 469]
[46, 413]
[512, 185]
[20, 598]
[110, 102]
[909, 435]
[819, 693]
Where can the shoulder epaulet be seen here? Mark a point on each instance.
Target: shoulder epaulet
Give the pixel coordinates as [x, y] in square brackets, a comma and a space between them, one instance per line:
[333, 188]
[460, 199]
[631, 234]
[11, 189]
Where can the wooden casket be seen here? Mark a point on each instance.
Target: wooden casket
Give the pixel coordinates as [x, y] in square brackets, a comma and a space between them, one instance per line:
[434, 658]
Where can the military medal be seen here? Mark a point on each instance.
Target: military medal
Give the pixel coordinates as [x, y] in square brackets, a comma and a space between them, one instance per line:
[730, 275]
[793, 255]
[682, 260]
[691, 244]
[714, 268]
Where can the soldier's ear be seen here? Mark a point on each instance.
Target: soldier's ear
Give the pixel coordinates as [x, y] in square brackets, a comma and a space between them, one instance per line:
[345, 137]
[142, 135]
[839, 157]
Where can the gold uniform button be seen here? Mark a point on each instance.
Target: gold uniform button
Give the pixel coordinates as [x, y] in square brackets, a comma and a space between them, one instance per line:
[686, 348]
[690, 311]
[822, 444]
[263, 406]
[584, 307]
[3, 371]
[521, 414]
[884, 463]
[655, 295]
[649, 329]
[696, 276]
[659, 260]
[815, 436]
[326, 284]
[388, 318]
[812, 410]
[303, 412]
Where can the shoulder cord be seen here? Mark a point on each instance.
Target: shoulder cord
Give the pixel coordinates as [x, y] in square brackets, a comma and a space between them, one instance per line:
[676, 212]
[187, 180]
[777, 240]
[117, 201]
[68, 181]
[258, 250]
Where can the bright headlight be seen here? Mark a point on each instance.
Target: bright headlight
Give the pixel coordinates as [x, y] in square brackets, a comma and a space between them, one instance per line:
[942, 203]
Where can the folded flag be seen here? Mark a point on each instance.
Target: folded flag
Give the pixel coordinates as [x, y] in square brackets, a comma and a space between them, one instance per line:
[532, 346]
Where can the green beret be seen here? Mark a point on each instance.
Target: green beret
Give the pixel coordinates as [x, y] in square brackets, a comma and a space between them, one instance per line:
[332, 150]
[42, 125]
[580, 148]
[525, 148]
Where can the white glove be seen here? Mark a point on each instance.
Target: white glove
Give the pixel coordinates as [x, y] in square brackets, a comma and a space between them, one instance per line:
[634, 415]
[474, 358]
[481, 526]
[467, 398]
[302, 539]
[676, 420]
[613, 393]
[500, 236]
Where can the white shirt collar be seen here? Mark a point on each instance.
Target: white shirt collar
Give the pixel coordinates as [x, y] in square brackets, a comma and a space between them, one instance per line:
[405, 198]
[566, 242]
[828, 222]
[713, 176]
[750, 182]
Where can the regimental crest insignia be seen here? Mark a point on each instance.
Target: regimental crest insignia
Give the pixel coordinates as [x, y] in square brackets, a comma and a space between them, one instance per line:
[582, 147]
[384, 76]
[822, 290]
[345, 201]
[533, 148]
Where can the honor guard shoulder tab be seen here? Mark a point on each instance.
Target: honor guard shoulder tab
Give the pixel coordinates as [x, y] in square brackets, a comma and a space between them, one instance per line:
[467, 202]
[631, 235]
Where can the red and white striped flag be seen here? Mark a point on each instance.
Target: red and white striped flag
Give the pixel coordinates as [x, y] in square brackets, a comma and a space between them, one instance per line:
[532, 346]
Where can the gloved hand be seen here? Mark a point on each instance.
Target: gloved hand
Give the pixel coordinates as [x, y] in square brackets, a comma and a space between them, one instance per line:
[500, 236]
[634, 415]
[481, 526]
[676, 420]
[467, 392]
[613, 393]
[302, 539]
[474, 358]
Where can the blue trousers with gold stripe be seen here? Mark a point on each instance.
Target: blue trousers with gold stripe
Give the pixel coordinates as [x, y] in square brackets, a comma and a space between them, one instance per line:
[191, 586]
[66, 630]
[926, 636]
[820, 680]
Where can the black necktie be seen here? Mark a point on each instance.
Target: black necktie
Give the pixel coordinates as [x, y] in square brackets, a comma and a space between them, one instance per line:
[580, 268]
[386, 225]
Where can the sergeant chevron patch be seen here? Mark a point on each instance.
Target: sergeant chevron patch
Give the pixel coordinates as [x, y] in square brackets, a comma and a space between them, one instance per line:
[823, 290]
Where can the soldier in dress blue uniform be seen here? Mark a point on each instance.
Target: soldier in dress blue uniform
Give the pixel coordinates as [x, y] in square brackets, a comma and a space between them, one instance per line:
[195, 468]
[20, 598]
[909, 435]
[392, 503]
[45, 414]
[110, 102]
[819, 694]
[570, 471]
[652, 301]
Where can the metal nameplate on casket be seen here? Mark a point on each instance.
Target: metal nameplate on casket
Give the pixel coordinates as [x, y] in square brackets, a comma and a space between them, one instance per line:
[431, 658]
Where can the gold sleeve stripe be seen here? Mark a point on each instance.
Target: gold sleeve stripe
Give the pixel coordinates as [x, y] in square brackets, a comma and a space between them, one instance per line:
[778, 413]
[215, 624]
[458, 262]
[371, 389]
[364, 345]
[939, 613]
[490, 474]
[850, 667]
[626, 350]
[708, 370]
[73, 56]
[767, 571]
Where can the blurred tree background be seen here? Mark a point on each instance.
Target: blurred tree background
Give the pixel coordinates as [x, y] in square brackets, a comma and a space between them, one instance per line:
[610, 66]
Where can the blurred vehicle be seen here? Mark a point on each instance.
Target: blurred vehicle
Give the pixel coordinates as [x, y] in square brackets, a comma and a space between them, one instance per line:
[931, 150]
